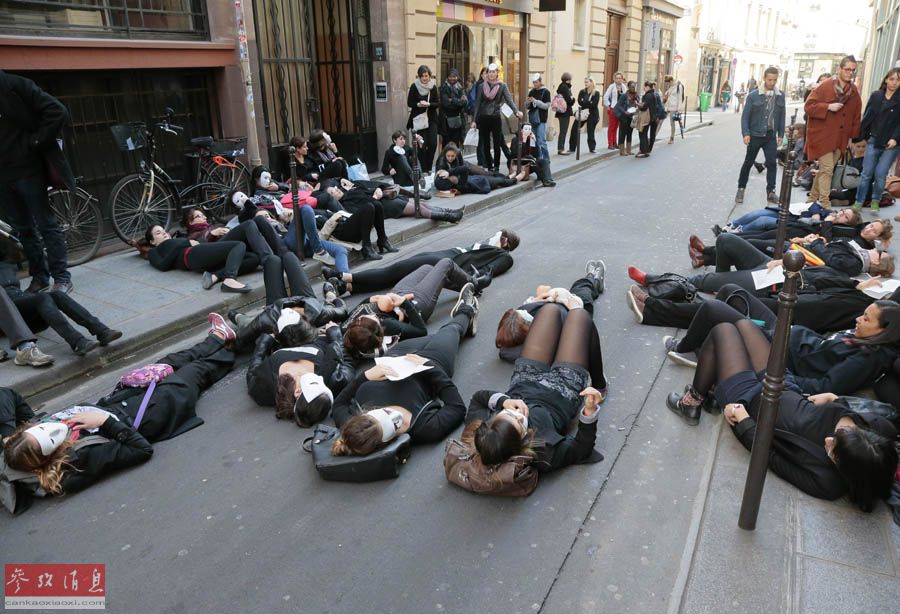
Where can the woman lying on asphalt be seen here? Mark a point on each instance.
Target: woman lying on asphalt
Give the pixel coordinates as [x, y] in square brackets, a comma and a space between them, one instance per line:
[298, 370]
[222, 261]
[384, 319]
[61, 450]
[515, 323]
[456, 176]
[409, 405]
[821, 446]
[841, 363]
[558, 377]
[482, 261]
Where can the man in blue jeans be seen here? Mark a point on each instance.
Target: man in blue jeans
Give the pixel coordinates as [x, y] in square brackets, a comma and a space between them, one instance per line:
[31, 120]
[762, 126]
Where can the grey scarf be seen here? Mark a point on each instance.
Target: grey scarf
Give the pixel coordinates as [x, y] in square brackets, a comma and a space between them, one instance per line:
[424, 90]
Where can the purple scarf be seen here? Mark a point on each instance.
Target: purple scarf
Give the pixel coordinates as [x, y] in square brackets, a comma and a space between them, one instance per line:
[490, 92]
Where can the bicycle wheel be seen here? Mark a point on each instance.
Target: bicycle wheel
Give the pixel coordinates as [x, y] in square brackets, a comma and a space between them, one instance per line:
[236, 177]
[211, 198]
[79, 218]
[132, 209]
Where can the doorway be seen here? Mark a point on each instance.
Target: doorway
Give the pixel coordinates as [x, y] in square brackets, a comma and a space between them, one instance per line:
[456, 52]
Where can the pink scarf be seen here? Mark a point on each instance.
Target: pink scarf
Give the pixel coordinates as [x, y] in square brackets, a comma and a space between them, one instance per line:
[490, 92]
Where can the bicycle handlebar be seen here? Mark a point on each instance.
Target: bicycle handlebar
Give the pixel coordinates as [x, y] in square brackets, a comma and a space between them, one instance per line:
[170, 128]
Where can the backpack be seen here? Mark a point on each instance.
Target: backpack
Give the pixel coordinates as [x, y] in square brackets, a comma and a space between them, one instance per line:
[463, 467]
[144, 376]
[559, 104]
[473, 92]
[382, 464]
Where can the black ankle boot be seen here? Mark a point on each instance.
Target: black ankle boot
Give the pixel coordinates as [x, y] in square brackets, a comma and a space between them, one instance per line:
[686, 405]
[368, 252]
[440, 214]
[384, 246]
[480, 280]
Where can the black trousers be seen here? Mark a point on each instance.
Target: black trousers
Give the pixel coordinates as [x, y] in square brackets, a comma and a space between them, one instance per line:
[224, 259]
[592, 122]
[274, 270]
[769, 145]
[625, 130]
[644, 136]
[427, 282]
[252, 234]
[386, 277]
[654, 126]
[358, 227]
[734, 251]
[489, 127]
[12, 324]
[428, 148]
[741, 305]
[51, 308]
[336, 169]
[441, 347]
[172, 406]
[327, 202]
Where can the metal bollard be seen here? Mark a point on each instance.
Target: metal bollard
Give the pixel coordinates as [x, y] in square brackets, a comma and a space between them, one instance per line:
[773, 385]
[787, 179]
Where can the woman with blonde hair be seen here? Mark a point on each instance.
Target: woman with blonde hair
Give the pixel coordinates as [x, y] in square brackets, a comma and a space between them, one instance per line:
[589, 100]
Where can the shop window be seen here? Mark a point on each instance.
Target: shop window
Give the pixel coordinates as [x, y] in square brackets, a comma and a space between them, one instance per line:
[580, 25]
[184, 19]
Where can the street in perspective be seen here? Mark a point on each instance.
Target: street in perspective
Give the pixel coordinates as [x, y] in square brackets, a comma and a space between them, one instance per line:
[469, 306]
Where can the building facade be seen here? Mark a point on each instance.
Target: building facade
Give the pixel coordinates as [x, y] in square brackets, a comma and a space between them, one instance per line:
[883, 48]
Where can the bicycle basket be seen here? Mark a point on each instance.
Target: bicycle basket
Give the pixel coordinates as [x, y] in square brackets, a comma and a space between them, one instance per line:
[128, 137]
[230, 147]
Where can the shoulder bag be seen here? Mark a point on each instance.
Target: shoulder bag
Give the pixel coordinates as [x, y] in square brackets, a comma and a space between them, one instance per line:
[382, 464]
[463, 467]
[670, 286]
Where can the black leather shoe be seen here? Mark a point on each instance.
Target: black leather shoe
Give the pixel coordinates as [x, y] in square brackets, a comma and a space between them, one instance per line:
[329, 272]
[37, 285]
[369, 253]
[384, 246]
[108, 336]
[710, 405]
[689, 413]
[481, 280]
[84, 345]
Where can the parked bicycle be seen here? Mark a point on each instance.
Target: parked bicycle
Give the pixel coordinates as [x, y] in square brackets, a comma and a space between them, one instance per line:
[152, 197]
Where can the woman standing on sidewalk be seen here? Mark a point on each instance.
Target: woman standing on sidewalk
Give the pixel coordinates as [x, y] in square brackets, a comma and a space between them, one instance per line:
[564, 116]
[489, 100]
[881, 128]
[423, 100]
[453, 110]
[646, 117]
[672, 101]
[625, 110]
[589, 100]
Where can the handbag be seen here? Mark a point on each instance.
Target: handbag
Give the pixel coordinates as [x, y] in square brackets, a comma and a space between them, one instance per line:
[454, 122]
[471, 137]
[670, 286]
[892, 186]
[845, 177]
[382, 464]
[513, 478]
[420, 122]
[358, 172]
[583, 114]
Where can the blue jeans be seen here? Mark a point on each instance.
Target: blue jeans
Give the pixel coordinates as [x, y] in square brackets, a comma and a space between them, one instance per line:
[311, 233]
[761, 219]
[540, 137]
[769, 145]
[25, 206]
[877, 164]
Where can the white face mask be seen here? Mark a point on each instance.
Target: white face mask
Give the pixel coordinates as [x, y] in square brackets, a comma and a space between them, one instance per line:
[287, 318]
[518, 417]
[526, 130]
[313, 386]
[239, 199]
[525, 315]
[49, 435]
[390, 421]
[399, 150]
[265, 179]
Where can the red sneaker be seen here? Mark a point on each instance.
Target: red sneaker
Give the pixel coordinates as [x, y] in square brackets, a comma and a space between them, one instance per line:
[217, 324]
[637, 275]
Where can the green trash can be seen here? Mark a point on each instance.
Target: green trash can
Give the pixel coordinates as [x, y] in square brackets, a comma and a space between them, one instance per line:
[705, 97]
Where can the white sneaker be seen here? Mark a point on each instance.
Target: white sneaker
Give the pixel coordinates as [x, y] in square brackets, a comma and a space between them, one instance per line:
[324, 257]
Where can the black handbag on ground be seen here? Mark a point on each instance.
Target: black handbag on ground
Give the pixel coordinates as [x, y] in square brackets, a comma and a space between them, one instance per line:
[382, 464]
[670, 286]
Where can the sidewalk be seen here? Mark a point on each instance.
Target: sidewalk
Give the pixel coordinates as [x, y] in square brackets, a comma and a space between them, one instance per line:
[126, 293]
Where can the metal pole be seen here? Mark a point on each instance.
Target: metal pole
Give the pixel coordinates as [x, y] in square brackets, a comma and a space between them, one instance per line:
[787, 178]
[773, 385]
[578, 134]
[417, 171]
[295, 203]
[246, 75]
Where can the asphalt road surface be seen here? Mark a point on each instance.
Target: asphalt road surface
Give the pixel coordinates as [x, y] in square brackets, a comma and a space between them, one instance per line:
[231, 517]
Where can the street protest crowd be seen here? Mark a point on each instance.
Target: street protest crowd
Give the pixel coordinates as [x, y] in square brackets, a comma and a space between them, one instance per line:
[385, 378]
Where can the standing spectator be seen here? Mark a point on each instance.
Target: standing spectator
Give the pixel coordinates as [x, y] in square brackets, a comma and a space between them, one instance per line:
[589, 98]
[751, 85]
[673, 100]
[423, 99]
[881, 128]
[833, 110]
[491, 96]
[453, 110]
[610, 98]
[471, 95]
[647, 113]
[625, 109]
[725, 95]
[660, 113]
[31, 120]
[565, 91]
[739, 96]
[537, 104]
[762, 126]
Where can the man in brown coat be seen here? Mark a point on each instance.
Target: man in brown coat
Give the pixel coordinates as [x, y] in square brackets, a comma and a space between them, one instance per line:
[833, 112]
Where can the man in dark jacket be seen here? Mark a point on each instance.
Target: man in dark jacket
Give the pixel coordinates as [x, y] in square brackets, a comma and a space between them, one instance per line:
[762, 126]
[31, 120]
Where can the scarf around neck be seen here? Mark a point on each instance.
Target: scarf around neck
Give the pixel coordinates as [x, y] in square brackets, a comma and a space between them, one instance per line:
[424, 89]
[490, 92]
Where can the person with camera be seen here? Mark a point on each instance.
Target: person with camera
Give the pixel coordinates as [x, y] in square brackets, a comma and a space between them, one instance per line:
[673, 100]
[762, 127]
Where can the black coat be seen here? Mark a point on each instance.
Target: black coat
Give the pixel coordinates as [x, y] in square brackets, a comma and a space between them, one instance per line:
[591, 103]
[412, 100]
[839, 255]
[484, 258]
[553, 450]
[565, 90]
[882, 118]
[30, 122]
[453, 103]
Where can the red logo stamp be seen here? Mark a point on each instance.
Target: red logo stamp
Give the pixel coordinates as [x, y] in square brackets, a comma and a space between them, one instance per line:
[55, 586]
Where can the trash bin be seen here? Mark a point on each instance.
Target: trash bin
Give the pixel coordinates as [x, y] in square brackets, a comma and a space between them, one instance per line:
[705, 97]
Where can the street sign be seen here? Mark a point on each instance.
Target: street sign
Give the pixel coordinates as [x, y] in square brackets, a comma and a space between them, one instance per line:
[678, 59]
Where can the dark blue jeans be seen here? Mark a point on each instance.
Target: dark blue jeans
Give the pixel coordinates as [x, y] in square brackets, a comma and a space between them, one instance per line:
[769, 145]
[25, 206]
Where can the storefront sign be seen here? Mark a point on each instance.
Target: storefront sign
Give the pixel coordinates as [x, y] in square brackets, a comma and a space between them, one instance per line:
[381, 91]
[519, 6]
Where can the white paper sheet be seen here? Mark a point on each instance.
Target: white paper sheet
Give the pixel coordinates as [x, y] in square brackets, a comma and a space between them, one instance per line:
[402, 367]
[888, 286]
[764, 278]
[798, 207]
[506, 110]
